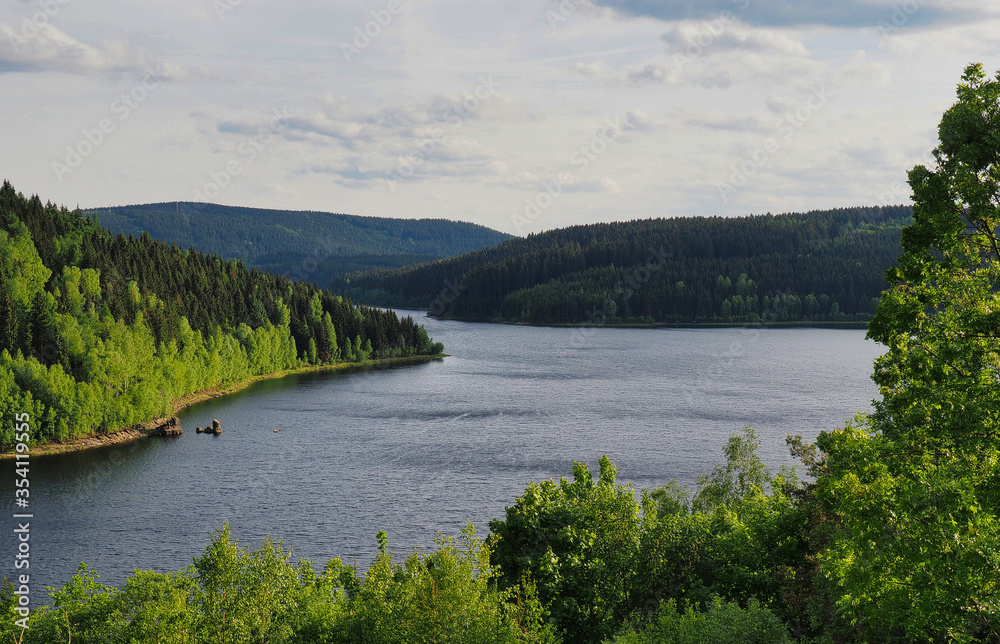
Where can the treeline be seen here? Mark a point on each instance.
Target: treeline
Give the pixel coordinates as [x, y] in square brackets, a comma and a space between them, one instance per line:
[818, 266]
[747, 559]
[896, 539]
[99, 331]
[575, 561]
[313, 246]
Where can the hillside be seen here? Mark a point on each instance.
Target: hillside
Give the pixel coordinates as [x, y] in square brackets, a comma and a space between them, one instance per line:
[814, 267]
[315, 246]
[100, 332]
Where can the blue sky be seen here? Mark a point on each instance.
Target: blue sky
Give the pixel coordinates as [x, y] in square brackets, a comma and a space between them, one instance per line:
[522, 116]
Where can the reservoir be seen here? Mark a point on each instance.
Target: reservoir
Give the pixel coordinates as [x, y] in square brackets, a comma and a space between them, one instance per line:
[423, 449]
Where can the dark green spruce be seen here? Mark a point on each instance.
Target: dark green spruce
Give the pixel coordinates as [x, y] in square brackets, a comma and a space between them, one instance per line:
[894, 538]
[823, 266]
[305, 245]
[99, 332]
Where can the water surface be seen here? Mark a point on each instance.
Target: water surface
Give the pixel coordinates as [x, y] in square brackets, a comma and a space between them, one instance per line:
[423, 449]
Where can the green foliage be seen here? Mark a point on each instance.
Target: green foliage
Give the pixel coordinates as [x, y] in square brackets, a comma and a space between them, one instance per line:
[600, 559]
[81, 611]
[577, 541]
[918, 490]
[742, 474]
[154, 607]
[818, 266]
[236, 595]
[447, 596]
[314, 246]
[103, 332]
[244, 596]
[721, 623]
[743, 537]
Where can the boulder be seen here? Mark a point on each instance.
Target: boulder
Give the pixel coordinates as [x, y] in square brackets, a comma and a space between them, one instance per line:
[199, 429]
[171, 428]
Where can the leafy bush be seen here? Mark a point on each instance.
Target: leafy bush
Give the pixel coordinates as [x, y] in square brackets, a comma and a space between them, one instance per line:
[720, 623]
[234, 595]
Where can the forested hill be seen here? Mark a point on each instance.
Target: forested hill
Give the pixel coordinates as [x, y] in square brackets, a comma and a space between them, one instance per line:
[99, 331]
[817, 266]
[315, 246]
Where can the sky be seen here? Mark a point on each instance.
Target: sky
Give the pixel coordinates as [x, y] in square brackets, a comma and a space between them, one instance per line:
[520, 115]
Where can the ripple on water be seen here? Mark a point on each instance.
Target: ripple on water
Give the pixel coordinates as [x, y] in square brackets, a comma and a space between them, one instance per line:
[422, 449]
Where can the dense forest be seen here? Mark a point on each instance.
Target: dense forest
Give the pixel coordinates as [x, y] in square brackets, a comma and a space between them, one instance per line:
[894, 537]
[302, 245]
[99, 331]
[818, 266]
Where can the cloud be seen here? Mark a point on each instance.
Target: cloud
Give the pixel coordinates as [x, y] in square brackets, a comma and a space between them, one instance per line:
[723, 70]
[602, 184]
[47, 49]
[638, 121]
[566, 181]
[971, 42]
[784, 13]
[858, 71]
[316, 122]
[724, 34]
[726, 123]
[409, 141]
[728, 53]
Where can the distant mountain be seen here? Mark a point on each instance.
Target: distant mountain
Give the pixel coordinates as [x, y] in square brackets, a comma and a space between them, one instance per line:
[100, 332]
[315, 246]
[819, 266]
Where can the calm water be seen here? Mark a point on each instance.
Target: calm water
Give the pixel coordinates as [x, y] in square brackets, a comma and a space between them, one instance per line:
[423, 449]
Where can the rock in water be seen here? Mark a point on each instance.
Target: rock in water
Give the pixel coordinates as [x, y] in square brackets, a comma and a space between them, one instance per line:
[216, 427]
[171, 428]
[199, 429]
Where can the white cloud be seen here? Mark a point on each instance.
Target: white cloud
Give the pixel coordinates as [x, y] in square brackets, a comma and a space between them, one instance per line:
[706, 38]
[691, 103]
[47, 49]
[859, 71]
[722, 70]
[845, 14]
[638, 121]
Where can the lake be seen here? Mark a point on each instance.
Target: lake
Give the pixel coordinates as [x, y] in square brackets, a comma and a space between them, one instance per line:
[423, 449]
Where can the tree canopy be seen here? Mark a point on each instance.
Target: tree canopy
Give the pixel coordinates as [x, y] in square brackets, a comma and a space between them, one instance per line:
[102, 331]
[918, 488]
[314, 246]
[817, 266]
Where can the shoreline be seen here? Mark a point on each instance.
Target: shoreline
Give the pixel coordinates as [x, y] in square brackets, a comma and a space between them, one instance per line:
[152, 426]
[800, 324]
[789, 324]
